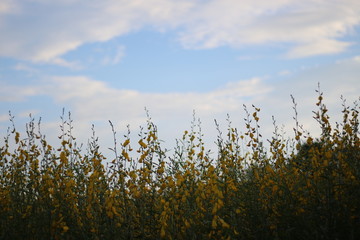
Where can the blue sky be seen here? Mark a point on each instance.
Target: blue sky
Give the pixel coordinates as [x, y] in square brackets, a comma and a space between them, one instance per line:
[107, 60]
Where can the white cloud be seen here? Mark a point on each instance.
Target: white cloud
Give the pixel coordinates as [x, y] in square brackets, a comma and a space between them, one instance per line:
[63, 63]
[324, 46]
[45, 30]
[69, 88]
[307, 24]
[93, 101]
[12, 93]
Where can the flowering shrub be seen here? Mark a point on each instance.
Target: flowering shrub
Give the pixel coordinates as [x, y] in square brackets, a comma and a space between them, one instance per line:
[305, 188]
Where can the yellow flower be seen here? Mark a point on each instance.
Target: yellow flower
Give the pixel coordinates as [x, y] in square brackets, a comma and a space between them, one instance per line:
[142, 144]
[275, 188]
[223, 223]
[17, 136]
[187, 224]
[63, 157]
[162, 232]
[125, 155]
[127, 141]
[213, 223]
[65, 228]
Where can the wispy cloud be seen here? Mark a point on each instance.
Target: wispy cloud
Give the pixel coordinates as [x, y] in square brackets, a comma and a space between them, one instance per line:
[310, 27]
[17, 93]
[320, 47]
[63, 63]
[26, 68]
[93, 101]
[306, 24]
[59, 27]
[116, 57]
[284, 73]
